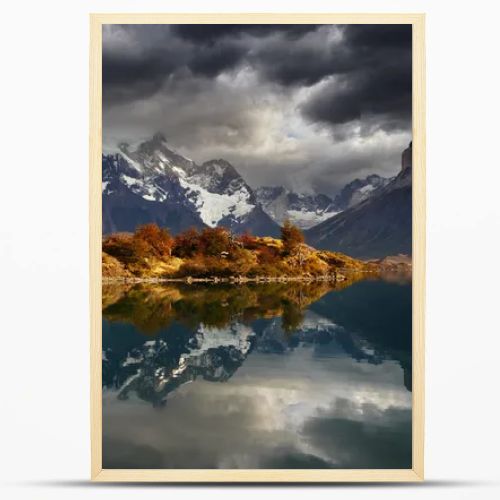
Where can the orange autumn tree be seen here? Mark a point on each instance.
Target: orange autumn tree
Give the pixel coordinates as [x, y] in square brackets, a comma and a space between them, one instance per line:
[209, 242]
[187, 243]
[149, 240]
[291, 236]
[215, 240]
[119, 245]
[247, 240]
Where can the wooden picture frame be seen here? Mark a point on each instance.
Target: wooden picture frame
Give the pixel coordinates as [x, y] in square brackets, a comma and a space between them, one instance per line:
[416, 473]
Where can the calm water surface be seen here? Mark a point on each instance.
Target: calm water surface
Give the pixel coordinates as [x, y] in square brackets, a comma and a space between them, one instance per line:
[257, 376]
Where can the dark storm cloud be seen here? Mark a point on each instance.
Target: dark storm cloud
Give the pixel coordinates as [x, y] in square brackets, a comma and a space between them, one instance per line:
[127, 77]
[376, 91]
[212, 60]
[379, 35]
[305, 63]
[140, 72]
[277, 99]
[369, 70]
[379, 99]
[213, 32]
[369, 65]
[162, 50]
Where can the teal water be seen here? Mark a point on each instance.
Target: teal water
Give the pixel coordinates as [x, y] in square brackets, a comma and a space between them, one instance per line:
[262, 376]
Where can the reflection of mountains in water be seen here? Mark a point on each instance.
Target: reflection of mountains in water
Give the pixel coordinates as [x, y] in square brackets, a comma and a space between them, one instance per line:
[158, 367]
[214, 349]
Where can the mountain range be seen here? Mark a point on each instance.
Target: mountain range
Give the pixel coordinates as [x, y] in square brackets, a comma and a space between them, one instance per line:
[308, 210]
[150, 182]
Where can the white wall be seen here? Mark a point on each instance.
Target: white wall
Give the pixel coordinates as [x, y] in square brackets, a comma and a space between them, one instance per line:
[43, 247]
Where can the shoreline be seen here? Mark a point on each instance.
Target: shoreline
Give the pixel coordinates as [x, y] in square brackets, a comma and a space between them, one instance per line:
[338, 277]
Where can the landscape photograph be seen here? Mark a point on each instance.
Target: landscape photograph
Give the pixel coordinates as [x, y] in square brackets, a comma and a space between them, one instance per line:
[257, 246]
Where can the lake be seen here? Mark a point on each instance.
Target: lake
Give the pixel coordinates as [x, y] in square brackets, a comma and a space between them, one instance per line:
[276, 375]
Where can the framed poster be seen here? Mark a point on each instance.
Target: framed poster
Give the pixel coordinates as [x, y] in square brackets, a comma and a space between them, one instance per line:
[257, 246]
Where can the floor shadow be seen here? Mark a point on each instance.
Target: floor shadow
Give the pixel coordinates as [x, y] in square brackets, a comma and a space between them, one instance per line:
[436, 483]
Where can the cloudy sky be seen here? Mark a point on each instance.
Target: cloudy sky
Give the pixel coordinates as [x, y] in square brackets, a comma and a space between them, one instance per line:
[311, 107]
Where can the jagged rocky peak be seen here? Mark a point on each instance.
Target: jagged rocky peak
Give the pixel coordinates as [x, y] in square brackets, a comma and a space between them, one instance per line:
[112, 163]
[217, 175]
[210, 194]
[219, 167]
[303, 209]
[158, 141]
[359, 190]
[269, 193]
[159, 138]
[406, 157]
[153, 155]
[154, 145]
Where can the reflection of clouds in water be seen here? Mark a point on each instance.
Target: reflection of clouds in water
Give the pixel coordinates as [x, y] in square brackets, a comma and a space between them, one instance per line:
[277, 411]
[362, 436]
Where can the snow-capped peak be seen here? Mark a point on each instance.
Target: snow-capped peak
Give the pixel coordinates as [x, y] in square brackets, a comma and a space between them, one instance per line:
[214, 192]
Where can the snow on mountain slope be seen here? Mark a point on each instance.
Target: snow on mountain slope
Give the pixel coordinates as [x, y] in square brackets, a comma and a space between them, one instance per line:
[305, 218]
[304, 210]
[212, 206]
